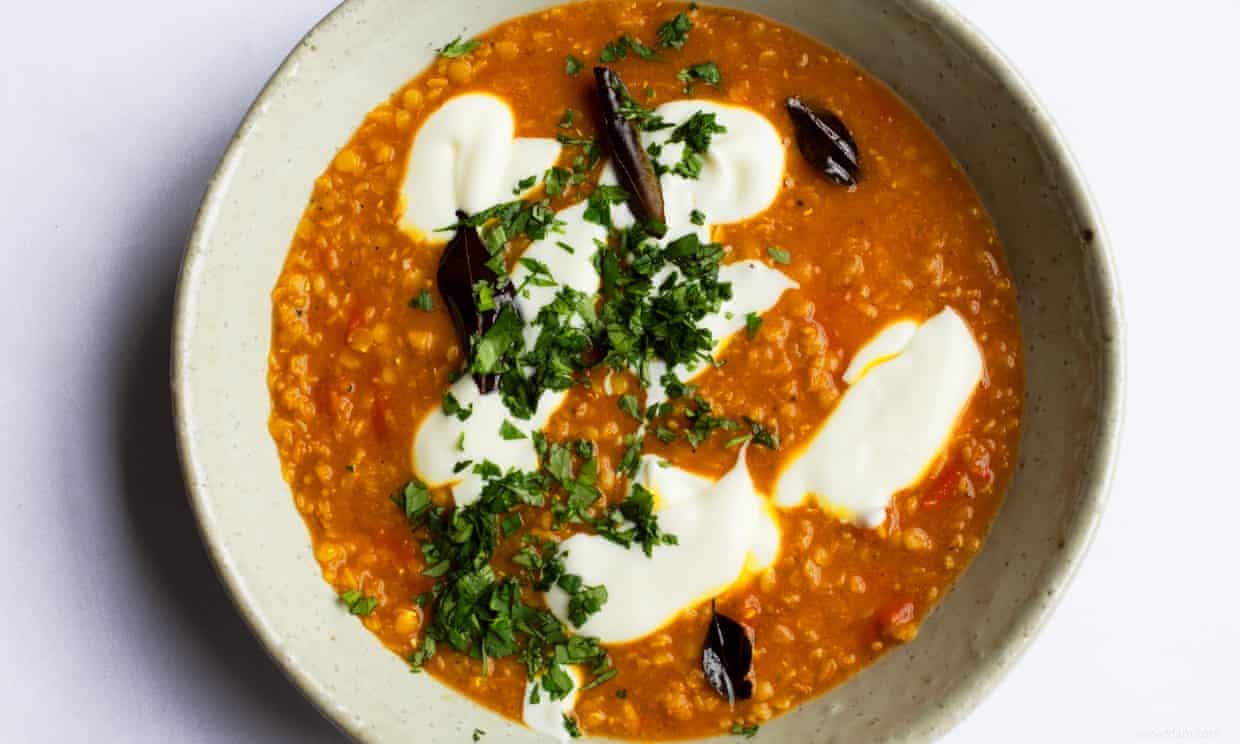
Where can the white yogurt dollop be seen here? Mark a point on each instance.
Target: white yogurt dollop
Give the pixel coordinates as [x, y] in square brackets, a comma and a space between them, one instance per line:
[891, 424]
[724, 531]
[443, 440]
[741, 170]
[465, 157]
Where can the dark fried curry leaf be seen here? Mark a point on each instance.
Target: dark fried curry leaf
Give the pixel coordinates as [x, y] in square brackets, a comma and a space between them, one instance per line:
[727, 657]
[634, 169]
[825, 142]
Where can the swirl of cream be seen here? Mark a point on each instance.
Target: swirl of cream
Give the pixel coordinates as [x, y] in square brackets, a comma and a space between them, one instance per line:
[465, 156]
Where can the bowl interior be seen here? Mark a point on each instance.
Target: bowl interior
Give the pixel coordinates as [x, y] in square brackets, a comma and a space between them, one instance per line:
[366, 49]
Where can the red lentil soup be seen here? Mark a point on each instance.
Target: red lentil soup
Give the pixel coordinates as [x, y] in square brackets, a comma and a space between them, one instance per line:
[364, 348]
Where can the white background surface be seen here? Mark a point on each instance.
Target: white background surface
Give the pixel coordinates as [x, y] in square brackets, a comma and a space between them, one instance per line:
[112, 116]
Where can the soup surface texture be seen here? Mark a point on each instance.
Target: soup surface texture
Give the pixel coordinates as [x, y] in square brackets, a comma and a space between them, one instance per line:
[817, 468]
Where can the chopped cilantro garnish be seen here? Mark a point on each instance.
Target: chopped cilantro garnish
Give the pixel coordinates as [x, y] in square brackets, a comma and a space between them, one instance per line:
[423, 301]
[642, 321]
[598, 206]
[613, 50]
[753, 322]
[570, 725]
[459, 48]
[617, 50]
[589, 157]
[622, 693]
[674, 33]
[631, 459]
[510, 524]
[779, 255]
[478, 734]
[539, 274]
[484, 295]
[555, 180]
[697, 218]
[643, 117]
[525, 184]
[358, 603]
[706, 72]
[572, 65]
[583, 601]
[557, 682]
[566, 120]
[758, 434]
[414, 499]
[703, 422]
[696, 133]
[637, 509]
[628, 404]
[748, 731]
[762, 435]
[640, 49]
[481, 614]
[508, 431]
[503, 337]
[600, 679]
[453, 407]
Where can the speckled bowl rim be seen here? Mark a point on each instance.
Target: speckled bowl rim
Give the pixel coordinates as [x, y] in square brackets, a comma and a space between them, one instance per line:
[962, 698]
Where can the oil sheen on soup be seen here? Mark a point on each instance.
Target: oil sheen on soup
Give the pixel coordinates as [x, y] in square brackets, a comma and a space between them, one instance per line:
[643, 370]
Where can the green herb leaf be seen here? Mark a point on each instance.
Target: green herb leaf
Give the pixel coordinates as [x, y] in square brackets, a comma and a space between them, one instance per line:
[779, 255]
[453, 407]
[637, 509]
[510, 524]
[572, 65]
[697, 217]
[556, 179]
[508, 431]
[617, 50]
[696, 133]
[423, 301]
[753, 322]
[459, 48]
[414, 499]
[500, 339]
[357, 603]
[570, 725]
[525, 184]
[640, 49]
[748, 731]
[706, 72]
[628, 403]
[674, 33]
[762, 435]
[583, 601]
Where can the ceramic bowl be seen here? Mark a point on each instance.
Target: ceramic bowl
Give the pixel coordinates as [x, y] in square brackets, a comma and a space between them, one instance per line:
[946, 71]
